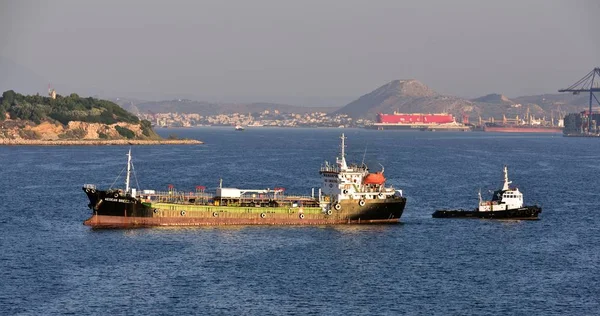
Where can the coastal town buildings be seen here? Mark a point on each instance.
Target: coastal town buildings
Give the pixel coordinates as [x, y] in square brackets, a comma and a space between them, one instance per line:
[266, 118]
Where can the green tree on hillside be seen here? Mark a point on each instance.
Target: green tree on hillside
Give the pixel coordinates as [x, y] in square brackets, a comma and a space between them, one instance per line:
[63, 109]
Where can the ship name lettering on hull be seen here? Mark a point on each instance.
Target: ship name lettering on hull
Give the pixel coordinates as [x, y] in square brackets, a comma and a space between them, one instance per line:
[117, 200]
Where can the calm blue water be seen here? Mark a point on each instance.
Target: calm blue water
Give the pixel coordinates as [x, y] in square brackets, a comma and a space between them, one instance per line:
[51, 264]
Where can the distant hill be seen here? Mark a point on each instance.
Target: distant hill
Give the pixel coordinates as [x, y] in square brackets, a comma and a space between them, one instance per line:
[412, 96]
[541, 106]
[406, 96]
[208, 108]
[566, 101]
[63, 109]
[493, 98]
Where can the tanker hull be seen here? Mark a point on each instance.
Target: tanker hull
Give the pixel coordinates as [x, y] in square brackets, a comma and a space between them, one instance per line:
[524, 213]
[116, 212]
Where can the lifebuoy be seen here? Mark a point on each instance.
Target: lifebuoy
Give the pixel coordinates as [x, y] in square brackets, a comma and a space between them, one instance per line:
[337, 206]
[93, 191]
[116, 195]
[215, 214]
[301, 216]
[263, 215]
[345, 191]
[87, 190]
[182, 213]
[361, 202]
[329, 212]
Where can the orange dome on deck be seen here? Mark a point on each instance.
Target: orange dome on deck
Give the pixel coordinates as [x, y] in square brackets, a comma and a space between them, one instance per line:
[374, 178]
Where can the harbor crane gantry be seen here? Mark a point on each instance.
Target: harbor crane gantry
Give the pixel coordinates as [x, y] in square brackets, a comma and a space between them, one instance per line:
[589, 83]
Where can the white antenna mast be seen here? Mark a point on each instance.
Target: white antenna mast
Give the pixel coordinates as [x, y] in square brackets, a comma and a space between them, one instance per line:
[128, 170]
[506, 182]
[343, 146]
[342, 160]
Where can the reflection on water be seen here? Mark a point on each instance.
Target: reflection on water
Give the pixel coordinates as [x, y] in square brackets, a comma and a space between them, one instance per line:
[52, 264]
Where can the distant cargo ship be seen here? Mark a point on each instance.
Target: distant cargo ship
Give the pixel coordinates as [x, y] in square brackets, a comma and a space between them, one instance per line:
[420, 121]
[528, 124]
[516, 128]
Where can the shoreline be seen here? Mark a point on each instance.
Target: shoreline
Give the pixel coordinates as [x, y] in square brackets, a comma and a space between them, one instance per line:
[96, 142]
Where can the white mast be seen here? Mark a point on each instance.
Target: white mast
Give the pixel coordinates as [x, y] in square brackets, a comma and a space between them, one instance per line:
[343, 138]
[342, 161]
[506, 182]
[128, 170]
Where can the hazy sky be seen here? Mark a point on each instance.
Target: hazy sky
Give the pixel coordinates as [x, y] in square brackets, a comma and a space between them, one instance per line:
[320, 50]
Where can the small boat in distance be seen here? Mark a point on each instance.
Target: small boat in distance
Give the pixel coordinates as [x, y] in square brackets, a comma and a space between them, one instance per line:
[239, 128]
[506, 203]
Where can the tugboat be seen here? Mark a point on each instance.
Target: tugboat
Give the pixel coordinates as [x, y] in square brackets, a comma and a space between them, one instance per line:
[506, 203]
[349, 194]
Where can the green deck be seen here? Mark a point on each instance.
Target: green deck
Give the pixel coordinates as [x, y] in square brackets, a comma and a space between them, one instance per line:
[234, 209]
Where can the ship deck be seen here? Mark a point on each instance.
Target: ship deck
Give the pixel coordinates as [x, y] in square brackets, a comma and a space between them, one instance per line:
[203, 198]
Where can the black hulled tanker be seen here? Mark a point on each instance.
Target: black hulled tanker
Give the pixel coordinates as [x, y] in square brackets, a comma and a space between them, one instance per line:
[349, 194]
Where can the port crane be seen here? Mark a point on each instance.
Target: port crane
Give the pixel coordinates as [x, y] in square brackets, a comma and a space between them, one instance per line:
[589, 83]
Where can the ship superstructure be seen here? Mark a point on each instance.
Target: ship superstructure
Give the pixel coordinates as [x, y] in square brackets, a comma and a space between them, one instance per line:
[345, 184]
[504, 199]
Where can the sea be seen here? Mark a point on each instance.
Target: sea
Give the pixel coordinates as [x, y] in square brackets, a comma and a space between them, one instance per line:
[51, 264]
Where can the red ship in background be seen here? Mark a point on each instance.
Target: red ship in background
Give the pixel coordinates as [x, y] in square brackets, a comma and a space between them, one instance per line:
[421, 121]
[415, 118]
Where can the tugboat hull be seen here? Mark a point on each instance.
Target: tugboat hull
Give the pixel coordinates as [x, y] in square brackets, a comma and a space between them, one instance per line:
[527, 212]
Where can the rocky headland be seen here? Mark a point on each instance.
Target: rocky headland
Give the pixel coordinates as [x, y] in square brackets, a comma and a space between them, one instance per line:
[58, 121]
